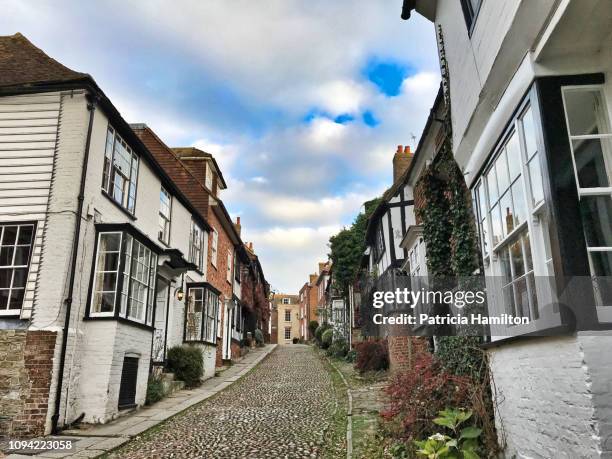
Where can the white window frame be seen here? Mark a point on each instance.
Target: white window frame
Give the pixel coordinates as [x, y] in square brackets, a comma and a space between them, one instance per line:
[287, 315]
[286, 300]
[287, 334]
[12, 267]
[536, 225]
[135, 284]
[208, 325]
[127, 199]
[165, 216]
[214, 247]
[196, 245]
[228, 271]
[603, 310]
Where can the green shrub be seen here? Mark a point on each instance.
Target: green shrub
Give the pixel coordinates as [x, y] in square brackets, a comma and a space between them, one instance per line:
[155, 390]
[312, 327]
[186, 362]
[372, 356]
[338, 348]
[326, 338]
[351, 356]
[259, 338]
[295, 340]
[319, 332]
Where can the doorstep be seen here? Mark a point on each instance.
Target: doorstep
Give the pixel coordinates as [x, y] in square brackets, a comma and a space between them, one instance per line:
[102, 438]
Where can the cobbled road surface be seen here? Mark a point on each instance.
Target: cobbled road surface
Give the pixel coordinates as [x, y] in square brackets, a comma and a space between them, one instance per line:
[281, 409]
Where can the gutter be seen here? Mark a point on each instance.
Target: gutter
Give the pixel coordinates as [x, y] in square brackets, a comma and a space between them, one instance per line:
[75, 246]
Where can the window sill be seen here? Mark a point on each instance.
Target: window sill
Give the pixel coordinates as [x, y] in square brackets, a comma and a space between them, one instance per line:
[199, 341]
[122, 320]
[119, 206]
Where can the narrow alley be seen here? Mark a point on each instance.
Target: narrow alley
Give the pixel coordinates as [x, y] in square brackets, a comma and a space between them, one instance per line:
[283, 408]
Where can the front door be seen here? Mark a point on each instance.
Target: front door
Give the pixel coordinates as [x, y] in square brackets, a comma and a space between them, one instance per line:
[161, 312]
[227, 331]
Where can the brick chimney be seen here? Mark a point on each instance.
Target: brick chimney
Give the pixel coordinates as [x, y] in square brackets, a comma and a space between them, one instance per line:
[238, 226]
[401, 160]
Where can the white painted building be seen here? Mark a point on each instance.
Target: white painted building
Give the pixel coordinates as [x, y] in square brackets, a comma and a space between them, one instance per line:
[91, 224]
[531, 103]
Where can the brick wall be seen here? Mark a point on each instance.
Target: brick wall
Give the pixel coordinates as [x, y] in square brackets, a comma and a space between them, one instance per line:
[217, 276]
[26, 363]
[402, 350]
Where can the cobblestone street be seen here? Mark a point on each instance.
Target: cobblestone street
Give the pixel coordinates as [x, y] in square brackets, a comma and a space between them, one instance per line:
[281, 409]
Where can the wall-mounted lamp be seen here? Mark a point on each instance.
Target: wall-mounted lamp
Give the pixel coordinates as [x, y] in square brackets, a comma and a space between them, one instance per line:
[180, 294]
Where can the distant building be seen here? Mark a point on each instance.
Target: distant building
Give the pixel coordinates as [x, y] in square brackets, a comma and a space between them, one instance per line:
[288, 317]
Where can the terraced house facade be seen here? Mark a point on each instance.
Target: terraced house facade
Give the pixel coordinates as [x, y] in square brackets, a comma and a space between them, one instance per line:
[109, 252]
[530, 97]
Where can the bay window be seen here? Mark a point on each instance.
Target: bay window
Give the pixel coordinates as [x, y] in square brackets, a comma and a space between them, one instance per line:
[16, 243]
[202, 310]
[123, 284]
[510, 214]
[590, 140]
[120, 171]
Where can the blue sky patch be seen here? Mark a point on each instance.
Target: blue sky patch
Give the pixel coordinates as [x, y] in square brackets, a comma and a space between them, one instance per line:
[369, 119]
[387, 75]
[344, 118]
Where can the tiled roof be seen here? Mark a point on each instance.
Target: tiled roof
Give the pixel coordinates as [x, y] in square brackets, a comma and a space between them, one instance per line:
[22, 63]
[189, 185]
[187, 152]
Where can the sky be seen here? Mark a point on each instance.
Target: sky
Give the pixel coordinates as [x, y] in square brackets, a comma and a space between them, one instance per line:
[302, 103]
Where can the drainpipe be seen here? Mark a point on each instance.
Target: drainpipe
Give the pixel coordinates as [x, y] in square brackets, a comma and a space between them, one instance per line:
[75, 246]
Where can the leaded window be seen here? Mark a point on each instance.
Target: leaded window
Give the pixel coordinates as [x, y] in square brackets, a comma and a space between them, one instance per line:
[124, 278]
[16, 242]
[201, 317]
[120, 171]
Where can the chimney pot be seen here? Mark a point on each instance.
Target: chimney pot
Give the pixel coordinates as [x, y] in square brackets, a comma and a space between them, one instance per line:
[400, 148]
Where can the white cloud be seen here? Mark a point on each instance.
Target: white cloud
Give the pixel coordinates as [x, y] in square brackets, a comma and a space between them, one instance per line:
[293, 183]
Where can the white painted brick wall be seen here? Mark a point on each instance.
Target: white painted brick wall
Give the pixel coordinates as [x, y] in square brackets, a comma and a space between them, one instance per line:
[554, 395]
[95, 349]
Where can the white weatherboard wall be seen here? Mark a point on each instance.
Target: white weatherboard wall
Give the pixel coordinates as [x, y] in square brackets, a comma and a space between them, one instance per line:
[555, 396]
[28, 132]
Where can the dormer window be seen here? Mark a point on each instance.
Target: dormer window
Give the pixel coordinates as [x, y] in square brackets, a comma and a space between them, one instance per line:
[120, 171]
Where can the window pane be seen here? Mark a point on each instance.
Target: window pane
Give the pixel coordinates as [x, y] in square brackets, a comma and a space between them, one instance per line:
[586, 112]
[109, 242]
[492, 187]
[530, 133]
[5, 278]
[20, 277]
[508, 298]
[501, 168]
[496, 223]
[533, 296]
[507, 216]
[521, 296]
[6, 256]
[25, 235]
[513, 153]
[597, 220]
[535, 174]
[601, 263]
[4, 298]
[10, 235]
[16, 298]
[590, 163]
[520, 206]
[516, 254]
[504, 259]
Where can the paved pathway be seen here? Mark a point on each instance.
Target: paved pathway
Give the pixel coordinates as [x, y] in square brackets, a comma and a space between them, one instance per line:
[281, 409]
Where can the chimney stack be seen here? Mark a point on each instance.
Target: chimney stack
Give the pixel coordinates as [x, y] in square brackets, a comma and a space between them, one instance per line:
[237, 225]
[401, 161]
